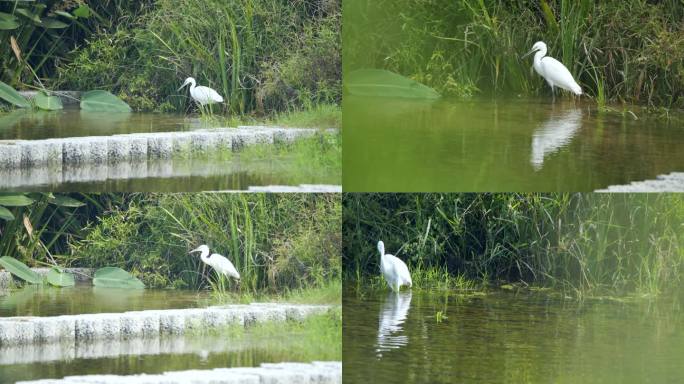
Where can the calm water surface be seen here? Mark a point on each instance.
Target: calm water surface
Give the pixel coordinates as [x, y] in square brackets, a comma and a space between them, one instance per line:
[160, 355]
[187, 175]
[224, 349]
[34, 125]
[502, 145]
[508, 337]
[51, 301]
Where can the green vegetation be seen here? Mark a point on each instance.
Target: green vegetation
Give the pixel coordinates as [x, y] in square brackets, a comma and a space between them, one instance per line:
[261, 55]
[37, 35]
[619, 51]
[280, 243]
[584, 243]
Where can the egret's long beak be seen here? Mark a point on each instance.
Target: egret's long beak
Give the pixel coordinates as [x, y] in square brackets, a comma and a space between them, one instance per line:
[196, 249]
[528, 53]
[184, 84]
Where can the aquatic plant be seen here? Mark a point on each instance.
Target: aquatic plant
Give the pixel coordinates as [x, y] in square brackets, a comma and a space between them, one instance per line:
[110, 277]
[623, 243]
[97, 101]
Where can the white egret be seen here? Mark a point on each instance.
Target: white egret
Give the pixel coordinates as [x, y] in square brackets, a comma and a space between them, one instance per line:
[393, 269]
[218, 262]
[552, 70]
[202, 95]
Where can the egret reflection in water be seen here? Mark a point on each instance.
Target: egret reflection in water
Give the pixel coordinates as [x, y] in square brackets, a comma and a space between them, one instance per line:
[554, 134]
[393, 314]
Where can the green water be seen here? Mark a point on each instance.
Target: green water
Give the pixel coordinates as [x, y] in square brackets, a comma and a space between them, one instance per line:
[218, 351]
[509, 338]
[34, 125]
[182, 175]
[51, 301]
[502, 145]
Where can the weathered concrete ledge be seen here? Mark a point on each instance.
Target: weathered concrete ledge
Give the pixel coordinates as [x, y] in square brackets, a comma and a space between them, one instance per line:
[672, 182]
[67, 97]
[98, 150]
[141, 324]
[80, 275]
[329, 372]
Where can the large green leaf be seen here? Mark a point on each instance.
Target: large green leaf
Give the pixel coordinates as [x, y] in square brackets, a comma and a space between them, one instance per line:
[15, 200]
[82, 11]
[5, 214]
[26, 13]
[60, 278]
[66, 201]
[10, 95]
[20, 270]
[65, 14]
[382, 83]
[114, 277]
[8, 21]
[103, 101]
[52, 23]
[50, 103]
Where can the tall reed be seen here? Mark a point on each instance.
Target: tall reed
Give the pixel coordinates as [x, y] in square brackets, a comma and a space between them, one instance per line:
[634, 48]
[584, 242]
[276, 241]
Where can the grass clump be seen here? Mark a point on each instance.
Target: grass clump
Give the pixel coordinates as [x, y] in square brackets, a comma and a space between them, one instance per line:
[585, 243]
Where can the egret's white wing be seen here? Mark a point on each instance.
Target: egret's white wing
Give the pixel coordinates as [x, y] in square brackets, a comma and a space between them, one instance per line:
[400, 270]
[557, 73]
[206, 95]
[223, 265]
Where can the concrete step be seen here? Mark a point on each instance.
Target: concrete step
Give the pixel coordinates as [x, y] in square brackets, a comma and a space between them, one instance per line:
[97, 150]
[672, 182]
[146, 324]
[329, 372]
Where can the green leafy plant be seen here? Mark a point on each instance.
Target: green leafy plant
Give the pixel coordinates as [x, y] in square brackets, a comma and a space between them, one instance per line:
[93, 101]
[114, 277]
[12, 200]
[13, 97]
[383, 83]
[102, 101]
[20, 270]
[60, 278]
[46, 102]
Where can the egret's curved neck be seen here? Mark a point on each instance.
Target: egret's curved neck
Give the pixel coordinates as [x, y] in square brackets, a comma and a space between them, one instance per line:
[205, 252]
[382, 257]
[539, 55]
